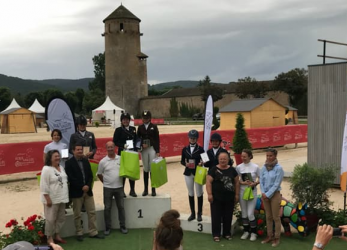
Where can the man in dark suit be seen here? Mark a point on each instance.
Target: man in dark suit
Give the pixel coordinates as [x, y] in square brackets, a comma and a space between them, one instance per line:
[150, 144]
[216, 149]
[80, 178]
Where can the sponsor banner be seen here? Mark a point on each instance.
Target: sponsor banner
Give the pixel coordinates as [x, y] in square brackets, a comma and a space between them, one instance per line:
[25, 157]
[343, 180]
[154, 121]
[208, 122]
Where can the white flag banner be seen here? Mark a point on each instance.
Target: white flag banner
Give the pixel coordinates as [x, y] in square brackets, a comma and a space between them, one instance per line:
[343, 180]
[59, 116]
[208, 122]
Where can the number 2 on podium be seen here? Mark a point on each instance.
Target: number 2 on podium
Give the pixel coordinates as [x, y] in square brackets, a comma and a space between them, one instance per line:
[140, 213]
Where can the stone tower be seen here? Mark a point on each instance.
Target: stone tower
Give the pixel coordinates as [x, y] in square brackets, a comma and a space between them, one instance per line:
[125, 64]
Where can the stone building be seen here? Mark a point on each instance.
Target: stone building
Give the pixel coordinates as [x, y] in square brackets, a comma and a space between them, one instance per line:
[192, 97]
[125, 64]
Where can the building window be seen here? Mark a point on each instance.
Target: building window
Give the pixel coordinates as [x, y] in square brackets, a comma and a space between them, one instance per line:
[121, 27]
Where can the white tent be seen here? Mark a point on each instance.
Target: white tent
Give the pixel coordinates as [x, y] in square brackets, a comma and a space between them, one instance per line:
[13, 105]
[110, 111]
[37, 108]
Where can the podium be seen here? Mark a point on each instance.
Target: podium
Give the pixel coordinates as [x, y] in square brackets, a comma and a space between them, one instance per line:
[140, 212]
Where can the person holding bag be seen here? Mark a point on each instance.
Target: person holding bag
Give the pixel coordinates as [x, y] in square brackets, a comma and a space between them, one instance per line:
[150, 144]
[249, 179]
[190, 158]
[121, 135]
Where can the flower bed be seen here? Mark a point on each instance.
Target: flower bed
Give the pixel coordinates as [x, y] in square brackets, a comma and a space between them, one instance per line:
[32, 231]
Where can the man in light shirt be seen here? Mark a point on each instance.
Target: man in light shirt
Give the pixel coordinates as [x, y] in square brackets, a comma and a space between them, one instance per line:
[108, 173]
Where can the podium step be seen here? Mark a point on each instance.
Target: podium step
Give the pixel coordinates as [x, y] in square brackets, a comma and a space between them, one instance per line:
[203, 226]
[140, 212]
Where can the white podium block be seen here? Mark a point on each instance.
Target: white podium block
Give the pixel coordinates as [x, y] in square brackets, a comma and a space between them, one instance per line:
[140, 212]
[143, 212]
[203, 226]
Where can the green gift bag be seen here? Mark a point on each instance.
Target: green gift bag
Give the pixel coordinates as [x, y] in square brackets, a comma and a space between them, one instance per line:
[248, 194]
[130, 165]
[158, 172]
[200, 175]
[94, 165]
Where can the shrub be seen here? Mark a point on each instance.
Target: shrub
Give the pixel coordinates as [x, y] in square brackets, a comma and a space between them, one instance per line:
[240, 140]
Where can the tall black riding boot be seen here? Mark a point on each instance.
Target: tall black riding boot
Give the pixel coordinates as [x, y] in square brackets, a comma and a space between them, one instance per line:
[145, 181]
[192, 208]
[200, 203]
[132, 188]
[153, 192]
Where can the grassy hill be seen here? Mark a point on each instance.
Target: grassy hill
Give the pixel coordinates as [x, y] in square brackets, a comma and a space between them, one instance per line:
[25, 86]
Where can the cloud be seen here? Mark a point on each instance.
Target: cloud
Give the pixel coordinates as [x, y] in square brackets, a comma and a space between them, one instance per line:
[224, 39]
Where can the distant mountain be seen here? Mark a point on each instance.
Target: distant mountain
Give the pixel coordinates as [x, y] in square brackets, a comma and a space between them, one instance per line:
[25, 86]
[170, 85]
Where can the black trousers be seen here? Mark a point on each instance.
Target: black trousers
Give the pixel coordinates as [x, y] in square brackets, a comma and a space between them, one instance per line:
[221, 212]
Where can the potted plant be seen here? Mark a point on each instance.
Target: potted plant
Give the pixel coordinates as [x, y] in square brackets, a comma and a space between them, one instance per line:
[309, 187]
[240, 140]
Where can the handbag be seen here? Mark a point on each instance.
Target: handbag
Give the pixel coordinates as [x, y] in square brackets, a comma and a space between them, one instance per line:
[200, 175]
[248, 194]
[129, 165]
[158, 172]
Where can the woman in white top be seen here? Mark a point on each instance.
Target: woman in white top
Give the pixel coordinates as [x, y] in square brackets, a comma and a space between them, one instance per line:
[54, 195]
[249, 177]
[56, 144]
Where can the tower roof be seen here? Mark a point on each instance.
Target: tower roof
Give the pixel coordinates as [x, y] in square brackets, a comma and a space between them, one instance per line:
[121, 13]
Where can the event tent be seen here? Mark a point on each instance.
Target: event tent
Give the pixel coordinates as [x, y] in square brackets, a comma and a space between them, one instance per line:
[39, 110]
[109, 111]
[14, 105]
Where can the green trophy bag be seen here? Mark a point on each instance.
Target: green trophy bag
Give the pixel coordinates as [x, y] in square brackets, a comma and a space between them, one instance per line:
[158, 172]
[200, 175]
[130, 165]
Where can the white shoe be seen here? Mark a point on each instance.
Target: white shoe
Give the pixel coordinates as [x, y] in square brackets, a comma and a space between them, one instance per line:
[253, 237]
[245, 236]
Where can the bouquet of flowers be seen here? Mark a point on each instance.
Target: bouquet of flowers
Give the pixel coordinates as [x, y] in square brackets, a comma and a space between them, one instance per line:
[32, 231]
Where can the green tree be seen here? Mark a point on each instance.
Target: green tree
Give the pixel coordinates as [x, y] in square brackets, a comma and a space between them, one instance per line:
[215, 122]
[72, 100]
[240, 140]
[92, 100]
[5, 97]
[20, 100]
[173, 107]
[30, 98]
[79, 93]
[52, 93]
[184, 110]
[294, 83]
[251, 88]
[99, 73]
[207, 88]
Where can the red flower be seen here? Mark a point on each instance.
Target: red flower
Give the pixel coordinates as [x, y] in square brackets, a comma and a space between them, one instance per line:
[13, 222]
[9, 224]
[7, 235]
[260, 232]
[26, 223]
[260, 221]
[31, 227]
[39, 217]
[40, 233]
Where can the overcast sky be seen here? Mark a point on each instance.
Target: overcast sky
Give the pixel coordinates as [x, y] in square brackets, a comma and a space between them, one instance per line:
[184, 39]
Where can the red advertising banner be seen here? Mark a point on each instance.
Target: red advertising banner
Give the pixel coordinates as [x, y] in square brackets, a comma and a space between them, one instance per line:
[138, 122]
[25, 157]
